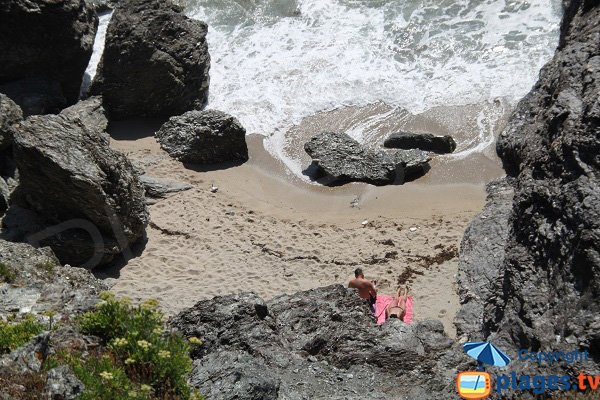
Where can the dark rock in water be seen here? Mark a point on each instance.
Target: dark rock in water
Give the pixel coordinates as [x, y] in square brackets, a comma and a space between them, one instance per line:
[346, 160]
[422, 141]
[159, 188]
[320, 343]
[36, 96]
[87, 194]
[47, 39]
[63, 384]
[204, 137]
[343, 158]
[545, 294]
[480, 267]
[155, 62]
[10, 114]
[414, 162]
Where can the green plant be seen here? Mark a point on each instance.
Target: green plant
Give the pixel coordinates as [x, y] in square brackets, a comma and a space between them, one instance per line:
[143, 359]
[15, 335]
[7, 274]
[47, 266]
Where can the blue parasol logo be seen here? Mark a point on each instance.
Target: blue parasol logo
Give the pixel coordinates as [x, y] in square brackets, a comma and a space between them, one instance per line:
[486, 353]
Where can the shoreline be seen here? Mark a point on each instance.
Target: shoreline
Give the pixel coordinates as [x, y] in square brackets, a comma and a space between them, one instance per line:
[272, 233]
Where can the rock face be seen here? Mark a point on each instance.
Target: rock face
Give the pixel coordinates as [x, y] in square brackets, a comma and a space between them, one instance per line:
[204, 137]
[42, 284]
[52, 40]
[10, 114]
[155, 62]
[158, 188]
[88, 200]
[422, 141]
[548, 284]
[321, 343]
[481, 259]
[346, 160]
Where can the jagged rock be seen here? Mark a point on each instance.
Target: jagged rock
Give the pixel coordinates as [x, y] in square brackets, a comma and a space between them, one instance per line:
[544, 296]
[27, 358]
[550, 146]
[88, 196]
[47, 39]
[159, 188]
[414, 162]
[155, 37]
[422, 141]
[42, 284]
[62, 384]
[344, 159]
[10, 114]
[320, 343]
[481, 260]
[204, 137]
[4, 196]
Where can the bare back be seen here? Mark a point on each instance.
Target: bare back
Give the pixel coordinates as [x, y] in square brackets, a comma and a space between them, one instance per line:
[365, 287]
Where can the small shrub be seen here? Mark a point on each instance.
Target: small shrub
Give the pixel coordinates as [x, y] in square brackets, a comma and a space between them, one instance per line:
[7, 274]
[142, 359]
[47, 266]
[15, 335]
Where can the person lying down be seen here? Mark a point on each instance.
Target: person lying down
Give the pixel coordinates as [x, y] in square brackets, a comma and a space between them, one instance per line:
[397, 308]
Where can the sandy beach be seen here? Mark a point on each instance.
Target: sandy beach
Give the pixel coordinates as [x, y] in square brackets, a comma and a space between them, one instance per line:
[271, 233]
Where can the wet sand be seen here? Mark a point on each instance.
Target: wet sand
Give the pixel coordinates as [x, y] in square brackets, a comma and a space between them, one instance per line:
[270, 232]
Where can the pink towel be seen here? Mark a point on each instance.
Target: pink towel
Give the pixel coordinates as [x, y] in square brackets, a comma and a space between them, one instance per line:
[382, 303]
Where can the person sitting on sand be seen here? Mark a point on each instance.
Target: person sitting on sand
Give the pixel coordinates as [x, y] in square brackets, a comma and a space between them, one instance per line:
[366, 289]
[397, 308]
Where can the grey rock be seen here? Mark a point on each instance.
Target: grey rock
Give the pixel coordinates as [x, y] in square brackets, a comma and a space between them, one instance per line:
[4, 196]
[10, 114]
[328, 334]
[155, 37]
[27, 358]
[62, 384]
[159, 188]
[36, 96]
[481, 260]
[339, 156]
[544, 294]
[414, 162]
[422, 141]
[204, 137]
[43, 284]
[47, 39]
[88, 196]
[551, 147]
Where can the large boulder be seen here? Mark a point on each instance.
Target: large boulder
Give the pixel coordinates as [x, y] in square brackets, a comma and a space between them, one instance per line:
[87, 197]
[204, 137]
[36, 96]
[47, 39]
[422, 141]
[10, 114]
[320, 343]
[547, 289]
[155, 62]
[342, 158]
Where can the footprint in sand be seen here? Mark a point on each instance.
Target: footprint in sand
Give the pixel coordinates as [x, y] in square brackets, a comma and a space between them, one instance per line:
[442, 313]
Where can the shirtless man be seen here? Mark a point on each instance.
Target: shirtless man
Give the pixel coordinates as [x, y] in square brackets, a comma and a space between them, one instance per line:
[366, 289]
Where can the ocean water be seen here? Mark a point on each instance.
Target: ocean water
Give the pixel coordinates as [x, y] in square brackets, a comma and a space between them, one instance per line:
[276, 62]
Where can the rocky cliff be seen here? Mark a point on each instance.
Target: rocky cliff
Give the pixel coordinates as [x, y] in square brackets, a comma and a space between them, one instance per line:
[544, 267]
